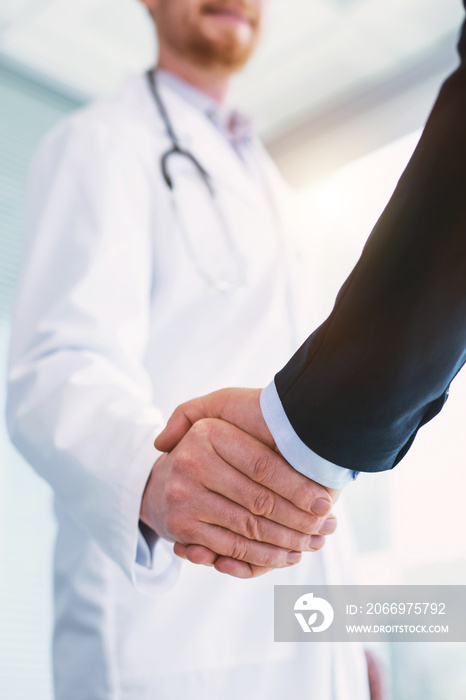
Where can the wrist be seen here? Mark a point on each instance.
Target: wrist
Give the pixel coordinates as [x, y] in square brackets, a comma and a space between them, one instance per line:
[146, 513]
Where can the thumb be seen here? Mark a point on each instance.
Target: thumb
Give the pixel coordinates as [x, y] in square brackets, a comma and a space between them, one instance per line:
[176, 428]
[184, 416]
[241, 407]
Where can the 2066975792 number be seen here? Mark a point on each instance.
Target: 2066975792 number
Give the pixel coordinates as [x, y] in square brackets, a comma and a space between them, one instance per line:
[405, 608]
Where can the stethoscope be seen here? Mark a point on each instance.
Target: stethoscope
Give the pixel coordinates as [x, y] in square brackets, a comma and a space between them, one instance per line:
[218, 283]
[176, 149]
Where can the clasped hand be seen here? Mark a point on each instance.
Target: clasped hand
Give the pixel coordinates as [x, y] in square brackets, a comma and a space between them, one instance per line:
[225, 496]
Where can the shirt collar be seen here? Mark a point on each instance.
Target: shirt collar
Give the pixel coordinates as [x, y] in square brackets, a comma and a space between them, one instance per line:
[236, 127]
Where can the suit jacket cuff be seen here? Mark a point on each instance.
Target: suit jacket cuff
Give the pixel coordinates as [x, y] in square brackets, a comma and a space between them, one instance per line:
[294, 450]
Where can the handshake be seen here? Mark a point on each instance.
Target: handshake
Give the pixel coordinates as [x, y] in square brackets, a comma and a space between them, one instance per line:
[222, 492]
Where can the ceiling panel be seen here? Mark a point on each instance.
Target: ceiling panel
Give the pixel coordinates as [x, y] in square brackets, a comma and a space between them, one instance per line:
[318, 52]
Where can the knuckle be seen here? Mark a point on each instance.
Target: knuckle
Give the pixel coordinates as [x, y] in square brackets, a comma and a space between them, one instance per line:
[202, 428]
[264, 503]
[174, 492]
[251, 526]
[261, 468]
[272, 559]
[238, 548]
[185, 460]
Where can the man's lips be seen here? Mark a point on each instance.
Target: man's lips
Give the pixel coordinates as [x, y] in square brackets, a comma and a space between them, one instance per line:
[229, 14]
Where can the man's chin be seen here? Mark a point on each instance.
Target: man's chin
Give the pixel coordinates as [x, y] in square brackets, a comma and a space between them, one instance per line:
[224, 52]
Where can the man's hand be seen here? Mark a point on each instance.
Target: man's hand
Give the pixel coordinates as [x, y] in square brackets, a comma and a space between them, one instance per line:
[230, 495]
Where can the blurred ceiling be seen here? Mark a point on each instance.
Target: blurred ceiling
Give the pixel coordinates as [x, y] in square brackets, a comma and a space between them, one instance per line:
[320, 61]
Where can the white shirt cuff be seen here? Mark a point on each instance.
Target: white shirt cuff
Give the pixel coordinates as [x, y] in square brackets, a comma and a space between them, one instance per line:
[294, 450]
[146, 547]
[154, 565]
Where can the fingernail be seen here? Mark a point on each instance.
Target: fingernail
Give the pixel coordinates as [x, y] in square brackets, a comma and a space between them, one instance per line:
[293, 557]
[321, 506]
[329, 526]
[316, 541]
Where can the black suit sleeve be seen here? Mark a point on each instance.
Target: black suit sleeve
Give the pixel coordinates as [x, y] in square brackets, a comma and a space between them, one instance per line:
[379, 367]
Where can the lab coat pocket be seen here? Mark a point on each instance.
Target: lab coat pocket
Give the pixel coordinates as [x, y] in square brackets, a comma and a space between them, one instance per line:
[206, 620]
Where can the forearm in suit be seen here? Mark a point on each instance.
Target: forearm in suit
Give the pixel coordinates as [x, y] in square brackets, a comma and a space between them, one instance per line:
[379, 367]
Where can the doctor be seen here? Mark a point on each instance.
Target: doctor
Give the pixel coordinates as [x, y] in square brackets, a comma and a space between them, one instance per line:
[154, 247]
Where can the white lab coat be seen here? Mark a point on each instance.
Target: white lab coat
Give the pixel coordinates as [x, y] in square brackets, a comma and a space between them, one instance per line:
[113, 328]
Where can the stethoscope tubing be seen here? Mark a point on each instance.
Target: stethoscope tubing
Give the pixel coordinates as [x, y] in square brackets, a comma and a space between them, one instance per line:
[177, 149]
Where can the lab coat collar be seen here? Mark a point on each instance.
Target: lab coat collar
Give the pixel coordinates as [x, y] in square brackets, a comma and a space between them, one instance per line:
[235, 126]
[198, 135]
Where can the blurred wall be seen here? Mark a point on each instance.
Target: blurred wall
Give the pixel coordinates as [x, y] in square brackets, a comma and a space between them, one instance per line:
[27, 111]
